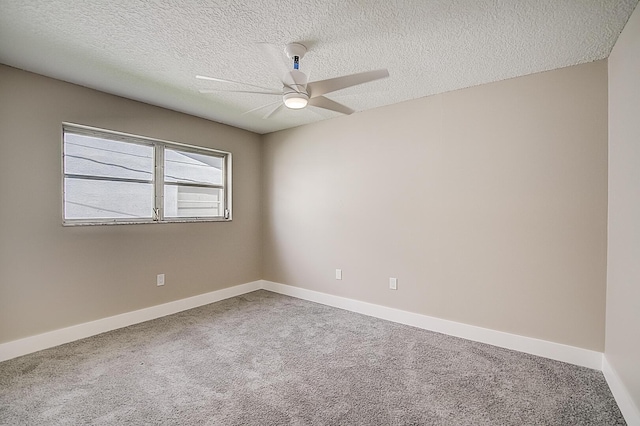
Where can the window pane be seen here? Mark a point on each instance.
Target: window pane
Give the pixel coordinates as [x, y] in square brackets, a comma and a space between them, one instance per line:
[188, 201]
[99, 199]
[188, 167]
[92, 156]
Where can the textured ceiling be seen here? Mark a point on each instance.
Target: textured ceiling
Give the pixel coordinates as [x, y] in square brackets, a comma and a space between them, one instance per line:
[151, 50]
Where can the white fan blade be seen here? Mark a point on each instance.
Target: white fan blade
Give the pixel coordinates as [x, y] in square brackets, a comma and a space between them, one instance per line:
[322, 87]
[292, 87]
[239, 91]
[326, 103]
[273, 111]
[319, 113]
[275, 56]
[260, 107]
[222, 80]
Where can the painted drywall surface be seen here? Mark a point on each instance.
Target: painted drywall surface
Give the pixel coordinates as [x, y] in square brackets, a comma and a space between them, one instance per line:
[488, 204]
[623, 272]
[53, 276]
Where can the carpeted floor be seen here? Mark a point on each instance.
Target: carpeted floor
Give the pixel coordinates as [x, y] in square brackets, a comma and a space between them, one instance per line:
[268, 359]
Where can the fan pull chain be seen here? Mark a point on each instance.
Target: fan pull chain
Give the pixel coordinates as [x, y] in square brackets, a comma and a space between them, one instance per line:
[296, 62]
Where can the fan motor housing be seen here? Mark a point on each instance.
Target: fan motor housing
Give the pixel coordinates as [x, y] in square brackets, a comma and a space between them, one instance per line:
[296, 81]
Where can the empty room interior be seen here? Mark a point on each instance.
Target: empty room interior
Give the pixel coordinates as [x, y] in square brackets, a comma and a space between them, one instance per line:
[339, 212]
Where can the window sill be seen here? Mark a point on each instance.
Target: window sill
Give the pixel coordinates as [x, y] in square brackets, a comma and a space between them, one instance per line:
[145, 222]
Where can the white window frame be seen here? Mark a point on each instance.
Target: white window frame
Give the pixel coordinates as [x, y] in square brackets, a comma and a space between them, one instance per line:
[159, 146]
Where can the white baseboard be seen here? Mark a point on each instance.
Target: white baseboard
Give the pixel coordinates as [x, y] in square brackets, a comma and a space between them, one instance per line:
[50, 339]
[629, 410]
[557, 351]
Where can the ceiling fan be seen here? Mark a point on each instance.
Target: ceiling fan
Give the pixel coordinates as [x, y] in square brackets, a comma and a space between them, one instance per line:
[297, 92]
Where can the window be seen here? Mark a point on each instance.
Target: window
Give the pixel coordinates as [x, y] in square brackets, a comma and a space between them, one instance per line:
[112, 177]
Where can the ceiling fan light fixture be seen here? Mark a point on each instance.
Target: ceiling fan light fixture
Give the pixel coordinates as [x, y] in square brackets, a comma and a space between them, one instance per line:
[297, 92]
[295, 100]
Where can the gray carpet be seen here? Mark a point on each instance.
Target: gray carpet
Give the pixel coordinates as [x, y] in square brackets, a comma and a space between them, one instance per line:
[267, 359]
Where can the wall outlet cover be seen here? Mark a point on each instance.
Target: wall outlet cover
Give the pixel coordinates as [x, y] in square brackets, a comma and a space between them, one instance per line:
[393, 283]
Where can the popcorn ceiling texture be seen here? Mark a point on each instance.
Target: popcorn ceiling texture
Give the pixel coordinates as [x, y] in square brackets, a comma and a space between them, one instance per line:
[151, 50]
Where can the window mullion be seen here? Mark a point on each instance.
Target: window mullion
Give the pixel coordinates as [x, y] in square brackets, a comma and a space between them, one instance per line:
[226, 173]
[159, 180]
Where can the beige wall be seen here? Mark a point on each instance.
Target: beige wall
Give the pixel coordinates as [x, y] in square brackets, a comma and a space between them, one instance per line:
[53, 276]
[623, 275]
[489, 205]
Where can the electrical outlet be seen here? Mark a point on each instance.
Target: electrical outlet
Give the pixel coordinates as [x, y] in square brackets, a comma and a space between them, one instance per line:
[338, 274]
[160, 279]
[393, 283]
